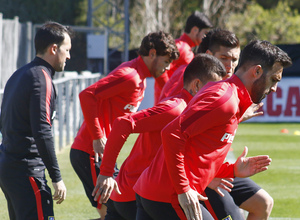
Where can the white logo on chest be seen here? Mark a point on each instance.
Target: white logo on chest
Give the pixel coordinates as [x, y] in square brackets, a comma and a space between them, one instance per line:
[227, 137]
[132, 108]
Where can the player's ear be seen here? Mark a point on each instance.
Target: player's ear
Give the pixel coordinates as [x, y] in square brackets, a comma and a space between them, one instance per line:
[53, 49]
[195, 30]
[197, 85]
[257, 71]
[209, 52]
[152, 53]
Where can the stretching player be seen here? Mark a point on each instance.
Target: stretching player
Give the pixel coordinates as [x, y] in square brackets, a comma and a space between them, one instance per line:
[224, 45]
[197, 25]
[149, 123]
[27, 112]
[118, 93]
[196, 143]
[246, 194]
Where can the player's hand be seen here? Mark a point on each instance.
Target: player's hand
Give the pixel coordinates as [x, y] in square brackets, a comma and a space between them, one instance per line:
[252, 111]
[98, 146]
[248, 166]
[104, 187]
[60, 193]
[218, 183]
[189, 202]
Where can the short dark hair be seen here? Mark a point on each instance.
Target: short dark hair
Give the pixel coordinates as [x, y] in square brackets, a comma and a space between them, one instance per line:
[50, 33]
[162, 42]
[202, 67]
[199, 20]
[218, 37]
[263, 53]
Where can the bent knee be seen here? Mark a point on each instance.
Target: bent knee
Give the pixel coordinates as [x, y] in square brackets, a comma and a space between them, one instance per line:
[260, 204]
[266, 200]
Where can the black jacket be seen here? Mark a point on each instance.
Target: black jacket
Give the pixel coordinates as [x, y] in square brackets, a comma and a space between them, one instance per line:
[26, 120]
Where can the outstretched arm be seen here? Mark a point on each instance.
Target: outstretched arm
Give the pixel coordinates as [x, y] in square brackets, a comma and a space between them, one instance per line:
[248, 166]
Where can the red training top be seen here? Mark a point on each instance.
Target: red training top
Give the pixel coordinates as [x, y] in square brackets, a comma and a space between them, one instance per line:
[184, 45]
[118, 93]
[149, 123]
[196, 143]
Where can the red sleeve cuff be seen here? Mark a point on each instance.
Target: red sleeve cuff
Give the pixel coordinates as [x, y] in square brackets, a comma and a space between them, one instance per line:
[226, 171]
[183, 189]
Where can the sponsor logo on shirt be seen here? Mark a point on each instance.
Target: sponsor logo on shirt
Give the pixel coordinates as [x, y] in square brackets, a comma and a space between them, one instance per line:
[227, 218]
[227, 137]
[132, 108]
[51, 218]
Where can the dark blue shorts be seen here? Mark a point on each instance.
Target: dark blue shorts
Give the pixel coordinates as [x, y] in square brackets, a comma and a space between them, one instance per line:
[228, 206]
[152, 210]
[120, 210]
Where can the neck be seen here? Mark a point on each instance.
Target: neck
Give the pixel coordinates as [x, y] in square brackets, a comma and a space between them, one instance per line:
[245, 77]
[147, 60]
[46, 58]
[190, 35]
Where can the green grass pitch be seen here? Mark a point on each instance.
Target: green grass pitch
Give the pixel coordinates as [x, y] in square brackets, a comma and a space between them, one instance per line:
[281, 180]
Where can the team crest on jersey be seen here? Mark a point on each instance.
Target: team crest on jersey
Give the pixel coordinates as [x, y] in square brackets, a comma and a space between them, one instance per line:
[53, 115]
[227, 137]
[51, 218]
[227, 218]
[132, 108]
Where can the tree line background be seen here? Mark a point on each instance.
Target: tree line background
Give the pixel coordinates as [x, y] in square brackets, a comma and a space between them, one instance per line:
[274, 20]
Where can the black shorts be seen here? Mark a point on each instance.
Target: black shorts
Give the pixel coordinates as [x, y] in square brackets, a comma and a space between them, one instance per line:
[227, 207]
[120, 210]
[152, 210]
[87, 171]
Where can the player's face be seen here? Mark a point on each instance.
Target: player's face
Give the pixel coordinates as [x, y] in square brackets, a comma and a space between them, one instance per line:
[200, 35]
[266, 84]
[63, 54]
[159, 65]
[229, 57]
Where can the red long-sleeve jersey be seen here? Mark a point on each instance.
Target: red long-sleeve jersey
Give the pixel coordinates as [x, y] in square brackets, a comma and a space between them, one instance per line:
[149, 123]
[184, 45]
[174, 84]
[196, 143]
[118, 93]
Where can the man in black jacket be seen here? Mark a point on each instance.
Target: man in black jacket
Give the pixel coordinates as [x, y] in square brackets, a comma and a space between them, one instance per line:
[27, 111]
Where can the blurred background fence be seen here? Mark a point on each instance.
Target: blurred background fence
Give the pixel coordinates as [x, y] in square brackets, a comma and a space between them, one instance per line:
[68, 111]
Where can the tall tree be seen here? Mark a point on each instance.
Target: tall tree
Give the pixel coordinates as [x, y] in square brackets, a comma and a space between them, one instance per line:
[279, 25]
[219, 10]
[148, 16]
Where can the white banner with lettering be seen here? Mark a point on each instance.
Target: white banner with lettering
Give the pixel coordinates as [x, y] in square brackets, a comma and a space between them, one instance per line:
[284, 105]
